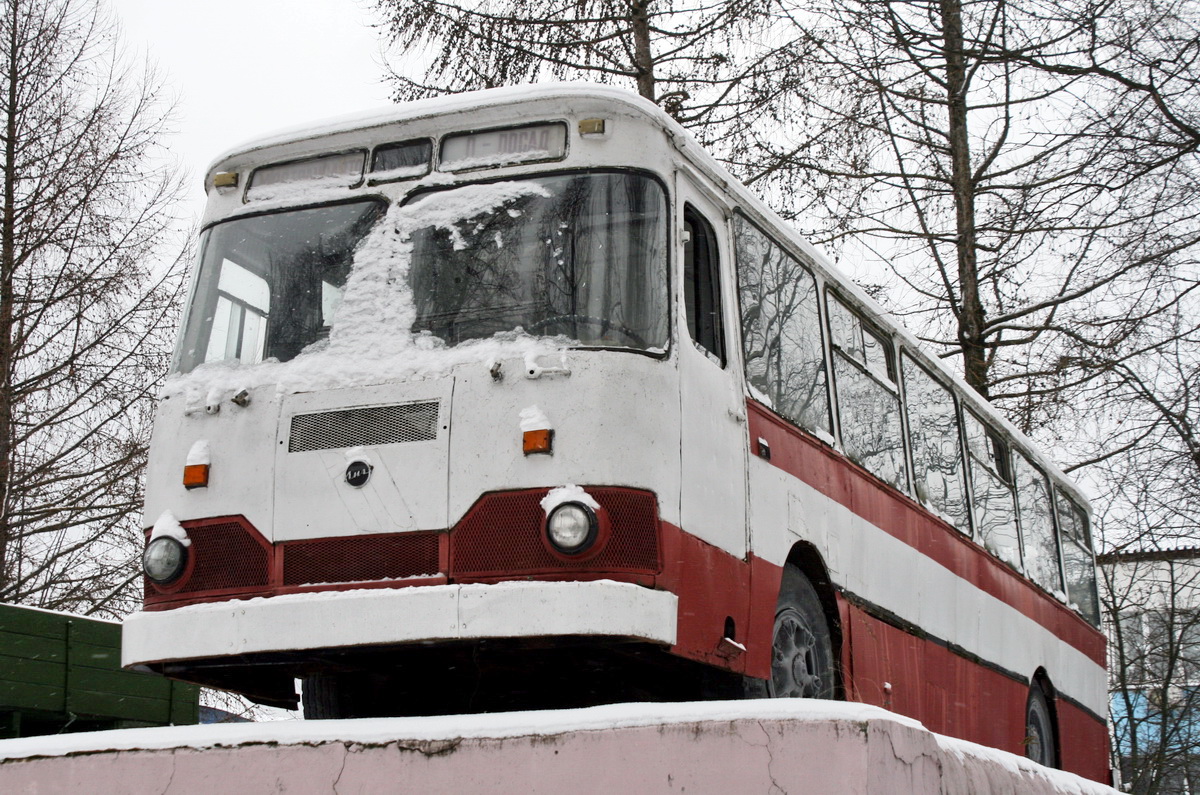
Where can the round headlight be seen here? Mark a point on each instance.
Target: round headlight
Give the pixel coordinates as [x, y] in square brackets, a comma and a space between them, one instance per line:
[571, 527]
[164, 560]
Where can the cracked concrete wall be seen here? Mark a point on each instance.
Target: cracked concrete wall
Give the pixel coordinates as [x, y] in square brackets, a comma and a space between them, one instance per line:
[720, 756]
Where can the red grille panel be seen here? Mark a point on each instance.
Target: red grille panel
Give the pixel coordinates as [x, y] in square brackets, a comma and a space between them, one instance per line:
[502, 535]
[360, 558]
[227, 554]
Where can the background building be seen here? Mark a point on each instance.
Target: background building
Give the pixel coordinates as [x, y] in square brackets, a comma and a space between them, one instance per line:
[1152, 617]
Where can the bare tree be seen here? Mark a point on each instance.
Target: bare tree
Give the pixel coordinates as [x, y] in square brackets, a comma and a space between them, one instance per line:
[86, 302]
[1022, 226]
[708, 63]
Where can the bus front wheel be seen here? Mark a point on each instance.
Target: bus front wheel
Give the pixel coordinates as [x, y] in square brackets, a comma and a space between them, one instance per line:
[801, 647]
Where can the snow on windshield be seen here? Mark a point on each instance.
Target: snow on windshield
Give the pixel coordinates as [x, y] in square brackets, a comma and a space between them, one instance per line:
[370, 339]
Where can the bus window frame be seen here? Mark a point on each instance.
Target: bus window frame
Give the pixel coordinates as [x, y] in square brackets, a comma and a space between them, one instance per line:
[1052, 486]
[668, 221]
[715, 266]
[205, 238]
[888, 343]
[365, 151]
[956, 404]
[830, 437]
[1001, 446]
[370, 165]
[1058, 492]
[440, 144]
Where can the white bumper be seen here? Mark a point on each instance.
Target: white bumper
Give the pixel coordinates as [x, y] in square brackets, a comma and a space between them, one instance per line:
[332, 619]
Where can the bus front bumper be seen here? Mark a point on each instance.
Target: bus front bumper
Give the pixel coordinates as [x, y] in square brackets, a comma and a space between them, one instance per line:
[389, 616]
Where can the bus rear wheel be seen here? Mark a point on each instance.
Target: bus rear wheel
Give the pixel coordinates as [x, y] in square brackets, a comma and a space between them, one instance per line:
[801, 647]
[1039, 728]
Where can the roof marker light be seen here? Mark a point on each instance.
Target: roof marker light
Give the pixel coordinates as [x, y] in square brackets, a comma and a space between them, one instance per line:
[592, 127]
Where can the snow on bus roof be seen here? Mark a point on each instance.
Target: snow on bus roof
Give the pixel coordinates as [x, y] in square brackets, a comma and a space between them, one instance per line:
[752, 206]
[440, 106]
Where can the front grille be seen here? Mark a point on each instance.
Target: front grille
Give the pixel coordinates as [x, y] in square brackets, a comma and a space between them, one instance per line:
[360, 558]
[231, 559]
[502, 535]
[227, 556]
[373, 425]
[499, 538]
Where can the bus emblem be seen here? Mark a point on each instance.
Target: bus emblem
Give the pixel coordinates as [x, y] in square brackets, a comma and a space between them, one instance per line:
[358, 473]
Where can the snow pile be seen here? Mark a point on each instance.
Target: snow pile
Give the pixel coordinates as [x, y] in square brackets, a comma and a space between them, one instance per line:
[301, 190]
[486, 726]
[199, 453]
[370, 341]
[568, 493]
[167, 526]
[400, 172]
[534, 419]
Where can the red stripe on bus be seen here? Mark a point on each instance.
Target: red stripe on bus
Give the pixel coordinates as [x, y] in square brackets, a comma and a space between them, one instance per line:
[801, 455]
[912, 676]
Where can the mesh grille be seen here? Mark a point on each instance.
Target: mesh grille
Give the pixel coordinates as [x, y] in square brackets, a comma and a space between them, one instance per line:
[374, 425]
[360, 558]
[227, 556]
[502, 535]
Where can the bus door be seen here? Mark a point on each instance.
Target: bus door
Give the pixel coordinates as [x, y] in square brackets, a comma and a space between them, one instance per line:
[712, 409]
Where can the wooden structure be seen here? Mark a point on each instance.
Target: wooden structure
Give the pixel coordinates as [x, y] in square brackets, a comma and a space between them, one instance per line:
[62, 673]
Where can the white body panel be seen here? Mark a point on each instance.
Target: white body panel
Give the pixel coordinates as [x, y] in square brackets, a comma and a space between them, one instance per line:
[407, 487]
[242, 445]
[613, 418]
[712, 408]
[404, 615]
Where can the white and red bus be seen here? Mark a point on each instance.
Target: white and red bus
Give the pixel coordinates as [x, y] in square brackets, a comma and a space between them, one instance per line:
[518, 399]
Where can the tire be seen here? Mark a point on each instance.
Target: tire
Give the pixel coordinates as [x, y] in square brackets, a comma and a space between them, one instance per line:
[1040, 741]
[801, 645]
[326, 697]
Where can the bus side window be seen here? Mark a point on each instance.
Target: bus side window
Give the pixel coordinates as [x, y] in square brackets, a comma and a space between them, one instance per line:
[702, 285]
[938, 472]
[1037, 525]
[864, 378]
[781, 329]
[1078, 567]
[991, 484]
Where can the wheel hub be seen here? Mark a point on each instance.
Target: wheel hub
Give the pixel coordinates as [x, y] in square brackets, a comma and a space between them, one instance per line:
[793, 671]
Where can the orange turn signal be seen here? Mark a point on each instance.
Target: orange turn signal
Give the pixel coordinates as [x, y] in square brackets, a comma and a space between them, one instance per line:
[195, 476]
[540, 441]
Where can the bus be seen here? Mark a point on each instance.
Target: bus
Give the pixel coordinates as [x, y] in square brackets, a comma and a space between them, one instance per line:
[517, 398]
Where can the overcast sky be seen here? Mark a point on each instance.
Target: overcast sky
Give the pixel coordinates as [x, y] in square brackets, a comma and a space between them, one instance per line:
[242, 68]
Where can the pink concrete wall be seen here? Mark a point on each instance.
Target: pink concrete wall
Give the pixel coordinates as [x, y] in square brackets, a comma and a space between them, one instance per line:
[740, 755]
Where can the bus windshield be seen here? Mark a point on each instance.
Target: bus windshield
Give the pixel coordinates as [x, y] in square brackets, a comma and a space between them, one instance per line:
[582, 255]
[268, 285]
